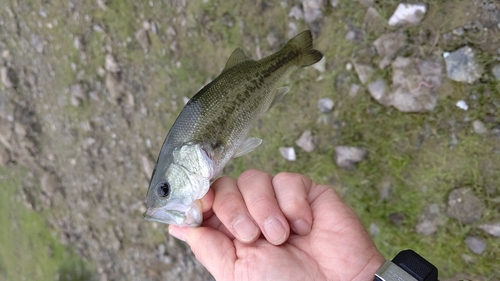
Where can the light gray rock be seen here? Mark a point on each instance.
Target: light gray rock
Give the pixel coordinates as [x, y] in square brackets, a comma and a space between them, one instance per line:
[479, 127]
[353, 91]
[306, 141]
[347, 156]
[142, 36]
[406, 13]
[388, 45]
[364, 71]
[476, 245]
[461, 65]
[495, 70]
[430, 220]
[374, 229]
[378, 90]
[373, 22]
[296, 13]
[414, 85]
[325, 105]
[110, 64]
[492, 228]
[313, 10]
[77, 94]
[464, 206]
[288, 153]
[7, 77]
[354, 34]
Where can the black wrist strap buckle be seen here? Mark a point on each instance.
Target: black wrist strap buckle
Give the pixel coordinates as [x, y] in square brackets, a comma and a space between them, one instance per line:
[408, 266]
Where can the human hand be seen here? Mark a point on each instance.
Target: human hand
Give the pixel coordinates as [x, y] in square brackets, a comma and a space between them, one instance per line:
[308, 232]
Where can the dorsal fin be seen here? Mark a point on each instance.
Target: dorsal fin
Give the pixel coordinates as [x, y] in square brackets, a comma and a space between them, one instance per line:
[236, 57]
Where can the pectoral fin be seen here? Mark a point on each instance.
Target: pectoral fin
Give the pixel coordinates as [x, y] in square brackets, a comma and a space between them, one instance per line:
[249, 145]
[279, 94]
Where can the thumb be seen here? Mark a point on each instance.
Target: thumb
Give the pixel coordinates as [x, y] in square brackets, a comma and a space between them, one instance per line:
[211, 247]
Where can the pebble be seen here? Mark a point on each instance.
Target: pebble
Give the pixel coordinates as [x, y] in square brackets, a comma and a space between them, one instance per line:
[296, 13]
[429, 220]
[354, 34]
[397, 218]
[378, 90]
[364, 71]
[321, 65]
[461, 65]
[7, 75]
[388, 45]
[312, 10]
[476, 245]
[479, 127]
[374, 229]
[373, 22]
[408, 14]
[325, 105]
[77, 94]
[347, 156]
[306, 141]
[495, 70]
[492, 228]
[288, 153]
[110, 64]
[458, 31]
[353, 91]
[464, 206]
[462, 105]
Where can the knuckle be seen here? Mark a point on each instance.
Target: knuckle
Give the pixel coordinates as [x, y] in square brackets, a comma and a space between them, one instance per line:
[251, 175]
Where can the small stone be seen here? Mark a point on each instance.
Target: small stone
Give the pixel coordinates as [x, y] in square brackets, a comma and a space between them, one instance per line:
[288, 153]
[397, 218]
[335, 3]
[142, 36]
[374, 229]
[388, 45]
[479, 127]
[429, 220]
[7, 77]
[306, 141]
[458, 31]
[110, 64]
[464, 206]
[496, 71]
[77, 94]
[364, 71]
[476, 245]
[77, 43]
[378, 90]
[354, 34]
[325, 105]
[312, 10]
[461, 65]
[426, 227]
[273, 38]
[296, 13]
[462, 105]
[385, 188]
[98, 28]
[492, 228]
[408, 14]
[353, 91]
[347, 156]
[373, 22]
[320, 65]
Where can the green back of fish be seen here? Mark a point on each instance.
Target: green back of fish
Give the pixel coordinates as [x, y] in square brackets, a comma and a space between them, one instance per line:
[221, 114]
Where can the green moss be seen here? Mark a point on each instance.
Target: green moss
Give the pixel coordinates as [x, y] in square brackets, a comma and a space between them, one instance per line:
[29, 249]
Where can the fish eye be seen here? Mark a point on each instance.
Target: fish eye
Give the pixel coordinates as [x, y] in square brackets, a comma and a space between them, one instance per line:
[163, 189]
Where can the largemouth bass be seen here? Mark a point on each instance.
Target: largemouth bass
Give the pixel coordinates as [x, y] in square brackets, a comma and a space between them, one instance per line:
[213, 126]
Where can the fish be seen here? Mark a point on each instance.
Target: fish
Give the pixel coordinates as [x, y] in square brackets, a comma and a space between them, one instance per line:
[212, 129]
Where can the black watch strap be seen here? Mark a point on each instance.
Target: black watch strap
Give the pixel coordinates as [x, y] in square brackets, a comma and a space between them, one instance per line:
[408, 266]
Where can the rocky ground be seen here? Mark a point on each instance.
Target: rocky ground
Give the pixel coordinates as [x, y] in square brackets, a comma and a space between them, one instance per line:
[403, 115]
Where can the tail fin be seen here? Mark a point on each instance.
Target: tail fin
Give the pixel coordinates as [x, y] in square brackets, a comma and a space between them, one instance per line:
[303, 43]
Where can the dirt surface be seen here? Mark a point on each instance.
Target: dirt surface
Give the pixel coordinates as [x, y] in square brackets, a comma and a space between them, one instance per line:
[90, 89]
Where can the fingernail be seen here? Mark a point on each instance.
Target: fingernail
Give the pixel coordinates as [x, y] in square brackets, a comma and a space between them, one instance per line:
[177, 234]
[246, 229]
[301, 227]
[275, 231]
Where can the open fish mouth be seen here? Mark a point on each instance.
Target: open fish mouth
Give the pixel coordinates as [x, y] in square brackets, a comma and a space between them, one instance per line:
[188, 216]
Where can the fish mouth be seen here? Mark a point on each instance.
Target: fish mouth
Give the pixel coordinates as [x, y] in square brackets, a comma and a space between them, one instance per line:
[182, 215]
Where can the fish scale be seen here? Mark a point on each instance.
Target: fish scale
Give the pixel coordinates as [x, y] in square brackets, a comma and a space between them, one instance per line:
[213, 126]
